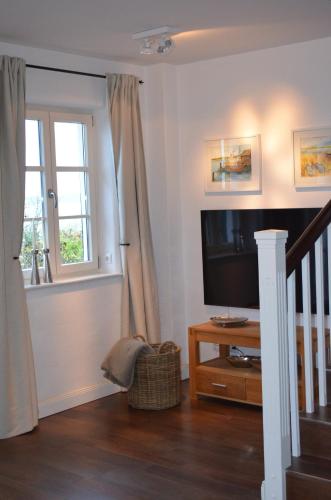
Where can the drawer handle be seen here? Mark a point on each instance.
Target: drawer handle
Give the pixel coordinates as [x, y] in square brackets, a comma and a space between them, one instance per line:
[219, 385]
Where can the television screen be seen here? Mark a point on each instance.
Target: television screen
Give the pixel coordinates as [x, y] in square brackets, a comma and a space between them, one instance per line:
[229, 252]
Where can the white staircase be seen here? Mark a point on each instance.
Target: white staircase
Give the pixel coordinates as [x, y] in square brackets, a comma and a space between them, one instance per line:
[278, 318]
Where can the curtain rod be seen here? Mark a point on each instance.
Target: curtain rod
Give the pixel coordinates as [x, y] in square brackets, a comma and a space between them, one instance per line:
[71, 72]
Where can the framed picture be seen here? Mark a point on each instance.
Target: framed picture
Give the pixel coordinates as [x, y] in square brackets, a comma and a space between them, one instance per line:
[233, 165]
[312, 158]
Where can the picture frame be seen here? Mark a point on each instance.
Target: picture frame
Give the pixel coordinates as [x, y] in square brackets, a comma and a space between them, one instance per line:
[233, 165]
[312, 158]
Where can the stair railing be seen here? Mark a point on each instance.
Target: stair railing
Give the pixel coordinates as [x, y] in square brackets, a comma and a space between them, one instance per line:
[278, 325]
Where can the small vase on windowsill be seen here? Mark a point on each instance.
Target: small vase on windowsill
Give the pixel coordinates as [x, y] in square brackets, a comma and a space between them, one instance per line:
[48, 278]
[35, 278]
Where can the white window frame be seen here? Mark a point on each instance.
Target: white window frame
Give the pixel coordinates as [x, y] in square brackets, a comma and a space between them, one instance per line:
[48, 161]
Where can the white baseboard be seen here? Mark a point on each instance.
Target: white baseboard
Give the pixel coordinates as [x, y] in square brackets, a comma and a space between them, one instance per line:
[262, 491]
[185, 371]
[75, 398]
[84, 395]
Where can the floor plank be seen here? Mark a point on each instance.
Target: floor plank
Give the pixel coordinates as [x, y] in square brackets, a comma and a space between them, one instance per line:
[208, 449]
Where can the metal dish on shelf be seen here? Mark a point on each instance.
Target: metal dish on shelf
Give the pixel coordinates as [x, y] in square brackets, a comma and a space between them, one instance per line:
[239, 361]
[228, 321]
[243, 361]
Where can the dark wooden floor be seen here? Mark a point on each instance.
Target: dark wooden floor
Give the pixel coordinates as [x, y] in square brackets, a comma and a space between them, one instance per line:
[104, 450]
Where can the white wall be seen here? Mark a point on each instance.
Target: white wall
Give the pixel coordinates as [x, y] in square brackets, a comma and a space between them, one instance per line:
[162, 159]
[73, 326]
[269, 92]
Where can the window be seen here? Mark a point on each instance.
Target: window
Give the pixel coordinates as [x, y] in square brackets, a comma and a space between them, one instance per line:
[59, 202]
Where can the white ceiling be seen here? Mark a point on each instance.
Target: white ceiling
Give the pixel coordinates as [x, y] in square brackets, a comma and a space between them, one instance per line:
[212, 28]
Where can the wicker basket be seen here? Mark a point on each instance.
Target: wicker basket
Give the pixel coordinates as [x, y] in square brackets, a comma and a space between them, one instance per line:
[157, 379]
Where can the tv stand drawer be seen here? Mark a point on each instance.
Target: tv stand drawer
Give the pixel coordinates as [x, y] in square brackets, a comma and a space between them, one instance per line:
[220, 384]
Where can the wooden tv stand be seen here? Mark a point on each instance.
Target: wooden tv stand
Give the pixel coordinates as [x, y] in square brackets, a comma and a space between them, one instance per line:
[217, 378]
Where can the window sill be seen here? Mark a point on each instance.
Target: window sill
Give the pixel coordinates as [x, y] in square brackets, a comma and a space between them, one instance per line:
[69, 281]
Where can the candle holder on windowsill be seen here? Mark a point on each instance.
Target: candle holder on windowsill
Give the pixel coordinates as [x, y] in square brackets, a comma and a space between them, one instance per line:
[35, 277]
[48, 278]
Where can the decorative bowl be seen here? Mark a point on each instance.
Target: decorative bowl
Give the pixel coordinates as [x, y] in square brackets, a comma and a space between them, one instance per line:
[228, 321]
[243, 361]
[239, 361]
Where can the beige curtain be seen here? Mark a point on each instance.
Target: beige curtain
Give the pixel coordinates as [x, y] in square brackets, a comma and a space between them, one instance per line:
[18, 402]
[140, 310]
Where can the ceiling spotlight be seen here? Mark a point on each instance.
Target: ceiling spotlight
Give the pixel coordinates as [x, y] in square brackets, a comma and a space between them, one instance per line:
[165, 46]
[156, 41]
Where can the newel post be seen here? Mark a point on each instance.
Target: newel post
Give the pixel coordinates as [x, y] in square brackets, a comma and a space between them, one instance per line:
[274, 353]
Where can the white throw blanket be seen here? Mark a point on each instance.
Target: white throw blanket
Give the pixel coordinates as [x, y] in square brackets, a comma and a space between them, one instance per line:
[120, 362]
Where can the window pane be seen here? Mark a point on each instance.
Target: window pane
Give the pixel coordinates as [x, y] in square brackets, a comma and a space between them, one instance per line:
[32, 140]
[33, 238]
[72, 193]
[69, 144]
[33, 195]
[74, 240]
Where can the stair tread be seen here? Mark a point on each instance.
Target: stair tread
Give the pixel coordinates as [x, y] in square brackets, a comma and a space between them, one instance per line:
[321, 414]
[315, 438]
[311, 466]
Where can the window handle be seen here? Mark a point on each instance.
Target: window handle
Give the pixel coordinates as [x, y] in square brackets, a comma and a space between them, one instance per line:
[52, 194]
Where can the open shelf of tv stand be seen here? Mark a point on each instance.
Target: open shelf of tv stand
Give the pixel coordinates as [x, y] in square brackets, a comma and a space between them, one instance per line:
[219, 379]
[220, 365]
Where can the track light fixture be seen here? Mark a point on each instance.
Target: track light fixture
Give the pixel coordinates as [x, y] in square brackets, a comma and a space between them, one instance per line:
[147, 47]
[156, 41]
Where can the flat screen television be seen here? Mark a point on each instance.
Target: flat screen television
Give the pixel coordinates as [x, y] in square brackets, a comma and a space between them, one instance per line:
[229, 253]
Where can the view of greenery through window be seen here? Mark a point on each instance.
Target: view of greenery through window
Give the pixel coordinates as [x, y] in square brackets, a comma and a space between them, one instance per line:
[71, 245]
[32, 239]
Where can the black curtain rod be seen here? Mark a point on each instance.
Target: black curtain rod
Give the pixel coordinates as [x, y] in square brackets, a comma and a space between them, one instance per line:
[71, 72]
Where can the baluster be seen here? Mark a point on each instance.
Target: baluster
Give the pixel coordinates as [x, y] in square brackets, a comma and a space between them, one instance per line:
[329, 280]
[308, 361]
[320, 320]
[293, 365]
